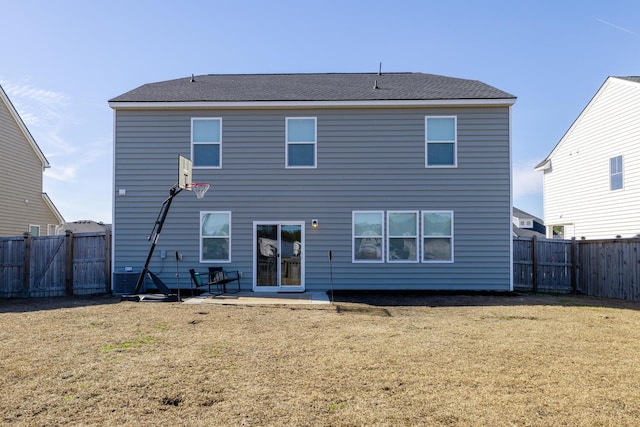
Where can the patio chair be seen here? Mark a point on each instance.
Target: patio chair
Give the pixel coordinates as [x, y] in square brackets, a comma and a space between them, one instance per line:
[198, 283]
[222, 276]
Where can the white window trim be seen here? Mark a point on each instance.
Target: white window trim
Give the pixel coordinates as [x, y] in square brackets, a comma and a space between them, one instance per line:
[35, 226]
[315, 143]
[213, 261]
[454, 142]
[416, 236]
[422, 237]
[353, 239]
[621, 173]
[219, 143]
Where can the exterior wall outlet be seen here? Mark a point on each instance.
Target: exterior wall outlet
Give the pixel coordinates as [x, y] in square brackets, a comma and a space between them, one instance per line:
[163, 254]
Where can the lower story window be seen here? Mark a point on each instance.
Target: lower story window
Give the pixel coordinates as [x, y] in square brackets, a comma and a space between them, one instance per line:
[215, 236]
[367, 236]
[402, 236]
[34, 230]
[437, 236]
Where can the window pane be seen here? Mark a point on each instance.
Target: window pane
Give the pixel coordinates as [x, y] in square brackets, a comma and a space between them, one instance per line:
[206, 131]
[402, 249]
[437, 249]
[615, 171]
[301, 155]
[367, 224]
[616, 181]
[437, 224]
[615, 164]
[301, 130]
[215, 249]
[441, 129]
[440, 154]
[206, 155]
[215, 224]
[368, 248]
[402, 224]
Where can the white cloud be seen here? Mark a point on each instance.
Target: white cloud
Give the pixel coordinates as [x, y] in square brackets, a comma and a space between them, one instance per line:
[62, 173]
[45, 113]
[526, 180]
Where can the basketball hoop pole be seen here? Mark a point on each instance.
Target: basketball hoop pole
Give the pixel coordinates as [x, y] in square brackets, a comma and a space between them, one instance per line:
[155, 233]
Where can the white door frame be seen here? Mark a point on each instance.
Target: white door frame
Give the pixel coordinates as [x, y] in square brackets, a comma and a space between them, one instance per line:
[279, 287]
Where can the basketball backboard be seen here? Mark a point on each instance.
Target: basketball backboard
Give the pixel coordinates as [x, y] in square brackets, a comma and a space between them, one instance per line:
[184, 172]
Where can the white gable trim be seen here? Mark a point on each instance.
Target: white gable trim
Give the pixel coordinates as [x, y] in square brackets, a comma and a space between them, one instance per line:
[546, 163]
[308, 104]
[23, 128]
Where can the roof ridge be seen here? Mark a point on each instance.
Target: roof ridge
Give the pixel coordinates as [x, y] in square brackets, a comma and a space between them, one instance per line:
[313, 74]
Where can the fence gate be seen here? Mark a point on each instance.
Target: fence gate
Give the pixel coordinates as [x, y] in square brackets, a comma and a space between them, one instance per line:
[44, 266]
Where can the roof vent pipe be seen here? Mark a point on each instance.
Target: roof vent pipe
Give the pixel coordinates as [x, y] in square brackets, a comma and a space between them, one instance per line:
[375, 84]
[192, 78]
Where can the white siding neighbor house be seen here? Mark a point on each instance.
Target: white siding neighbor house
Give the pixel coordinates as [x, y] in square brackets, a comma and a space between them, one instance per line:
[591, 178]
[404, 177]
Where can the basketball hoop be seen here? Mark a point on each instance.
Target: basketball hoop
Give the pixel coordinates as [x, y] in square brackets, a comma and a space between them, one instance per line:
[200, 188]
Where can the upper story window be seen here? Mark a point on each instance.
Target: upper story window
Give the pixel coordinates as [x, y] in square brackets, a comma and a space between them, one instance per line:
[526, 223]
[300, 142]
[206, 142]
[368, 236]
[34, 230]
[215, 236]
[402, 236]
[441, 141]
[615, 173]
[437, 235]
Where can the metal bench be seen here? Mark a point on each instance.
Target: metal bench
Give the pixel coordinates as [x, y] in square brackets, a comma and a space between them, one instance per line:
[200, 282]
[221, 277]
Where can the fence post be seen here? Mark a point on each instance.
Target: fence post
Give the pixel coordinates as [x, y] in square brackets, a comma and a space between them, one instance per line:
[574, 265]
[26, 272]
[534, 262]
[68, 276]
[107, 261]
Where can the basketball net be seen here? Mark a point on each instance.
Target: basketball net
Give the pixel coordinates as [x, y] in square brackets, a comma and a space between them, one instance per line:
[200, 188]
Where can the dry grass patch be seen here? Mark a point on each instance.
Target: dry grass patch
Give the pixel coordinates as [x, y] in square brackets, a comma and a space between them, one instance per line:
[442, 360]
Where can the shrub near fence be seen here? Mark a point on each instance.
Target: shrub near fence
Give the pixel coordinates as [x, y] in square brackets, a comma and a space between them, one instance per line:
[44, 266]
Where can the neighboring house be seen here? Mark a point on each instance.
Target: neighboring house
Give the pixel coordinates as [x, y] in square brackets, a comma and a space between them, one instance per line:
[527, 225]
[84, 226]
[592, 176]
[403, 177]
[25, 208]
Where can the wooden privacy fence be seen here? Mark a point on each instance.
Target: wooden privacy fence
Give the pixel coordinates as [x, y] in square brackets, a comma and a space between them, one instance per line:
[44, 266]
[80, 264]
[543, 265]
[604, 268]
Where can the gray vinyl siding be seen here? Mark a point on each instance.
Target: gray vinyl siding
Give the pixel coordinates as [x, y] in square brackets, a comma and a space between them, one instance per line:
[367, 159]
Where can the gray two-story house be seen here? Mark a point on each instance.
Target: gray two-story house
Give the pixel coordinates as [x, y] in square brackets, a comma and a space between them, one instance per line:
[404, 177]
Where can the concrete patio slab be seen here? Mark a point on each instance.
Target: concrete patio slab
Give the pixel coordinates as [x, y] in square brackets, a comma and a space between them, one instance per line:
[259, 298]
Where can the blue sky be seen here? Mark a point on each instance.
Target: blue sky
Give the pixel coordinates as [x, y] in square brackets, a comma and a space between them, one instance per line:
[62, 61]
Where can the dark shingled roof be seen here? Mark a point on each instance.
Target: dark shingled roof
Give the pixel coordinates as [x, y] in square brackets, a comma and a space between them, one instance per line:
[631, 78]
[312, 87]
